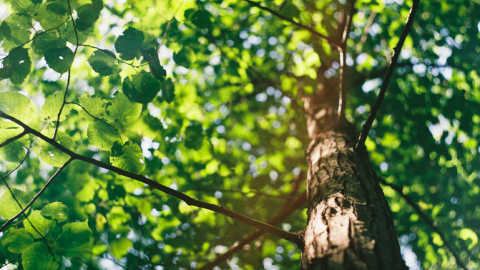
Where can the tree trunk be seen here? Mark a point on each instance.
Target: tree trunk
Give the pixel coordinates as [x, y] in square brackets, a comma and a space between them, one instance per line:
[350, 224]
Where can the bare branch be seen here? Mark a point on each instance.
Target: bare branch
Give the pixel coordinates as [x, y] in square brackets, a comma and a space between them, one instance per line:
[386, 79]
[425, 218]
[19, 136]
[342, 101]
[22, 161]
[69, 73]
[36, 195]
[287, 210]
[311, 30]
[364, 37]
[187, 199]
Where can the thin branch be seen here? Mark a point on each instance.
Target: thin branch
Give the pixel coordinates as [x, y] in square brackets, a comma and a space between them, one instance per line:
[97, 118]
[114, 57]
[187, 199]
[69, 73]
[342, 99]
[25, 215]
[286, 211]
[311, 30]
[34, 37]
[12, 261]
[386, 79]
[19, 136]
[36, 195]
[23, 160]
[364, 37]
[425, 218]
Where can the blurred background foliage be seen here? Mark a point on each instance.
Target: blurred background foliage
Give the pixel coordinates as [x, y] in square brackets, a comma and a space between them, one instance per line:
[235, 131]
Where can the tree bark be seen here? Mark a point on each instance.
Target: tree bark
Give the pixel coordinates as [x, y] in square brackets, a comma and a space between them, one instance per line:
[350, 224]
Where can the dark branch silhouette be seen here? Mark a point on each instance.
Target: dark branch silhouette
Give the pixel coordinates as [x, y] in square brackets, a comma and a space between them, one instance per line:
[5, 225]
[425, 218]
[187, 199]
[287, 210]
[388, 75]
[311, 30]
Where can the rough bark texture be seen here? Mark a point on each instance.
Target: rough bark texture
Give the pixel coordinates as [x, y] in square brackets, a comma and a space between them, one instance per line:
[350, 224]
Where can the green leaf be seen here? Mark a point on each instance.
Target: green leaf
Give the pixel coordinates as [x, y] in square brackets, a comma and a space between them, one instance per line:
[201, 19]
[168, 90]
[123, 110]
[185, 57]
[14, 151]
[38, 257]
[71, 35]
[17, 240]
[47, 40]
[290, 11]
[18, 106]
[15, 31]
[130, 43]
[9, 206]
[53, 156]
[56, 210]
[59, 59]
[40, 224]
[142, 89]
[49, 19]
[102, 135]
[87, 16]
[119, 247]
[156, 68]
[103, 62]
[16, 66]
[194, 136]
[95, 106]
[131, 158]
[74, 235]
[25, 6]
[51, 108]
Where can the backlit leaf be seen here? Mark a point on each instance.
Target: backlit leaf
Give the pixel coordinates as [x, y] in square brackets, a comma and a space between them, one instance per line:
[37, 225]
[59, 59]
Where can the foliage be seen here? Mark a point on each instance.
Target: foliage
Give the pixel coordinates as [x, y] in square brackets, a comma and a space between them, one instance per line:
[204, 97]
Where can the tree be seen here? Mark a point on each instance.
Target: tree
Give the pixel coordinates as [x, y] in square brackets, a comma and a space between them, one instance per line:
[155, 134]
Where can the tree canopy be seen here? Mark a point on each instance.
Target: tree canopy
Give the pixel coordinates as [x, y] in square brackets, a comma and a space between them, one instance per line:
[126, 124]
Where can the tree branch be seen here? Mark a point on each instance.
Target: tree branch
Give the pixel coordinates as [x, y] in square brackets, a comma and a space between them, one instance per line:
[19, 136]
[311, 30]
[31, 224]
[425, 218]
[69, 73]
[386, 79]
[287, 210]
[343, 57]
[36, 195]
[187, 199]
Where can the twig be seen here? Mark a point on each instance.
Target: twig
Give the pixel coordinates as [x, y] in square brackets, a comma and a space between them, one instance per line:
[425, 218]
[368, 124]
[287, 210]
[342, 99]
[21, 162]
[155, 185]
[69, 73]
[10, 262]
[114, 57]
[36, 195]
[31, 224]
[311, 30]
[364, 37]
[34, 37]
[98, 119]
[19, 136]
